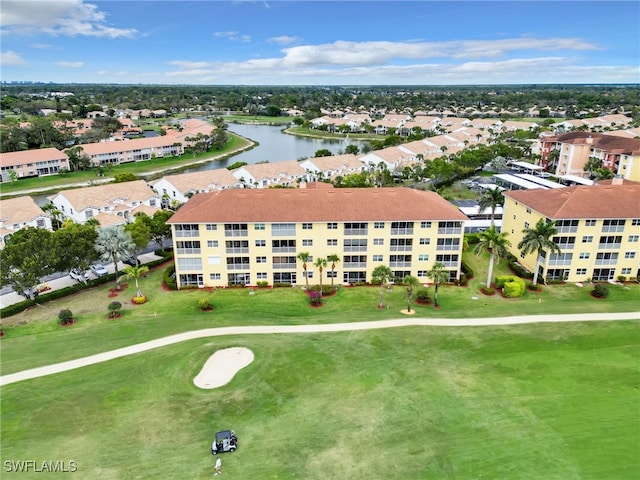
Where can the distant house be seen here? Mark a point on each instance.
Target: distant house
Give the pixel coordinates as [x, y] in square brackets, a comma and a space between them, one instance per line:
[134, 150]
[18, 213]
[182, 186]
[32, 163]
[263, 175]
[110, 201]
[331, 166]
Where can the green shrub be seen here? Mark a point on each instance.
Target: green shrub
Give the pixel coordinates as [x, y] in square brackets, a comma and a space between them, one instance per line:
[514, 288]
[114, 308]
[516, 268]
[466, 269]
[422, 296]
[169, 277]
[263, 284]
[326, 289]
[601, 290]
[488, 290]
[622, 278]
[281, 285]
[65, 316]
[205, 304]
[472, 238]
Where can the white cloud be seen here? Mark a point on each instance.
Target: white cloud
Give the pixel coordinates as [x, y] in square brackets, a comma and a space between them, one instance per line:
[284, 40]
[59, 17]
[11, 59]
[234, 36]
[70, 64]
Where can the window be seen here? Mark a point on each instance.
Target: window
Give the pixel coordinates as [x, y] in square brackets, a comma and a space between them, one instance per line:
[332, 242]
[238, 263]
[212, 243]
[332, 226]
[261, 243]
[401, 244]
[425, 241]
[635, 222]
[581, 271]
[528, 210]
[283, 229]
[401, 228]
[211, 227]
[213, 260]
[283, 246]
[423, 257]
[189, 263]
[584, 255]
[606, 258]
[236, 246]
[307, 226]
[377, 258]
[610, 242]
[355, 261]
[567, 226]
[629, 255]
[425, 224]
[587, 239]
[261, 275]
[448, 260]
[187, 230]
[633, 238]
[307, 243]
[560, 259]
[308, 274]
[188, 247]
[40, 222]
[565, 243]
[590, 223]
[448, 244]
[613, 226]
[235, 230]
[378, 241]
[214, 276]
[378, 225]
[526, 225]
[626, 271]
[422, 273]
[355, 228]
[449, 228]
[258, 226]
[261, 259]
[88, 213]
[355, 245]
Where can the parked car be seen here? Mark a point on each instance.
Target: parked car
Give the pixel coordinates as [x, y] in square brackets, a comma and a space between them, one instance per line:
[132, 260]
[225, 441]
[98, 270]
[79, 275]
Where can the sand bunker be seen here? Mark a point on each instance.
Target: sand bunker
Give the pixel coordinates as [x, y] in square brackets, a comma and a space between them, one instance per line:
[222, 366]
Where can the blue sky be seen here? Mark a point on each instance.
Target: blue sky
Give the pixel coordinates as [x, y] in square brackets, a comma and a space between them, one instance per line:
[320, 43]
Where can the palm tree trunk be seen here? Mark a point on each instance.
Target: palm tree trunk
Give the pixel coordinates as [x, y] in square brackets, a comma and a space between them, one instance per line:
[537, 267]
[306, 276]
[435, 296]
[115, 267]
[490, 272]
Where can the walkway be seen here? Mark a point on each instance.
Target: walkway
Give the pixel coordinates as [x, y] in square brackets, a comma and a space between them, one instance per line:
[336, 327]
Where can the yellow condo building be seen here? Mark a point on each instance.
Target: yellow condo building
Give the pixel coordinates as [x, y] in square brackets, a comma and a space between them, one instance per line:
[246, 236]
[598, 229]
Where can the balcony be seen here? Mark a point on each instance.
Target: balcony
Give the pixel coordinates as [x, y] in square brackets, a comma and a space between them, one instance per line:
[283, 249]
[401, 248]
[232, 250]
[402, 231]
[450, 231]
[284, 266]
[400, 264]
[354, 265]
[609, 246]
[238, 266]
[448, 248]
[355, 231]
[187, 233]
[236, 233]
[187, 251]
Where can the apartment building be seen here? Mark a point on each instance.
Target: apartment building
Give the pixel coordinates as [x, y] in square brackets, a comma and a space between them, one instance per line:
[32, 163]
[21, 212]
[618, 154]
[243, 236]
[598, 229]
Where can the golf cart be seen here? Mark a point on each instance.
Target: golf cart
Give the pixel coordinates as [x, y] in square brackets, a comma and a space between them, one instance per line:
[225, 441]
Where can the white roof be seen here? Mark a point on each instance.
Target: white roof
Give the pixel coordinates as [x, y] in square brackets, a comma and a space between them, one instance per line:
[512, 179]
[576, 179]
[527, 165]
[541, 181]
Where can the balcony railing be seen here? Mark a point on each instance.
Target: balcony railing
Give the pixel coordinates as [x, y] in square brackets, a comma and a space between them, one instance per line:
[401, 248]
[609, 246]
[238, 266]
[606, 261]
[187, 233]
[187, 251]
[283, 249]
[400, 264]
[450, 231]
[237, 250]
[354, 265]
[236, 233]
[355, 248]
[284, 266]
[448, 248]
[355, 231]
[402, 231]
[450, 264]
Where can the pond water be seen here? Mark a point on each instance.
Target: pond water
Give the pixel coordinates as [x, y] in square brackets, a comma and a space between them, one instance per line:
[276, 146]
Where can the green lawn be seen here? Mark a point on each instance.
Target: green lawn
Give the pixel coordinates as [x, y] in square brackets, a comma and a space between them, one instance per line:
[548, 401]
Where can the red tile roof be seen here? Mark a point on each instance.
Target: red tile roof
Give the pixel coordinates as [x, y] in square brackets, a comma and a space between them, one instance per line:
[316, 205]
[594, 201]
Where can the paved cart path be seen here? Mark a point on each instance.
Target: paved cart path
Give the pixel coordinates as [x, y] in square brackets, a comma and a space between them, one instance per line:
[334, 327]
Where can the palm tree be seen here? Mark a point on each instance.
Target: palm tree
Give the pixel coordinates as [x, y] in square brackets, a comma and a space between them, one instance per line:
[381, 274]
[439, 274]
[321, 263]
[113, 243]
[333, 258]
[304, 258]
[494, 242]
[136, 273]
[538, 239]
[411, 283]
[491, 198]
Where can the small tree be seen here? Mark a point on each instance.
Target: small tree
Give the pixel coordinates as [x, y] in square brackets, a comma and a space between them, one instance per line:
[438, 274]
[304, 258]
[411, 283]
[538, 239]
[114, 308]
[65, 316]
[321, 263]
[136, 273]
[333, 258]
[382, 275]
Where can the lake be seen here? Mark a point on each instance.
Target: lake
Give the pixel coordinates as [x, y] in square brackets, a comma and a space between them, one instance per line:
[275, 146]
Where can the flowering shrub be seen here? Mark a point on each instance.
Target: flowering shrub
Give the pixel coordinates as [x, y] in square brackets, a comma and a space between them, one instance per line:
[140, 300]
[315, 298]
[205, 304]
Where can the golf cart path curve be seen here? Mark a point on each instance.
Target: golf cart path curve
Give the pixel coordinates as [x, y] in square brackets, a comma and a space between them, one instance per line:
[324, 328]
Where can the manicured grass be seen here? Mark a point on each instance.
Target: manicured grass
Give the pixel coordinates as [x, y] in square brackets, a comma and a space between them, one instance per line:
[552, 401]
